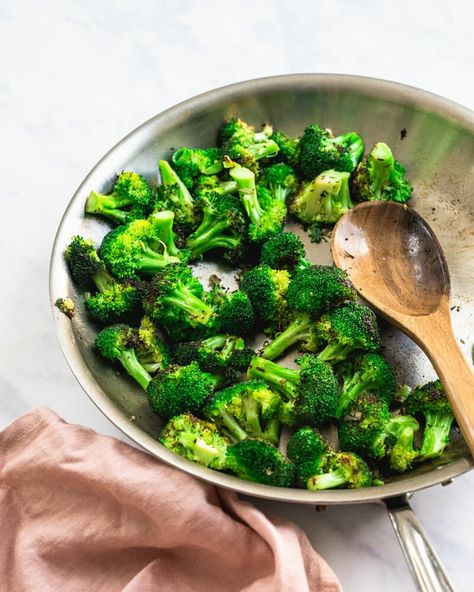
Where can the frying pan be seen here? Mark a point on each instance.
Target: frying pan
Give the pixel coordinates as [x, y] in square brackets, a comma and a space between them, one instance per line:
[432, 136]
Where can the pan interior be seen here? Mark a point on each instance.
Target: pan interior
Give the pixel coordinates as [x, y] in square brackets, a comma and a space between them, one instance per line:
[433, 138]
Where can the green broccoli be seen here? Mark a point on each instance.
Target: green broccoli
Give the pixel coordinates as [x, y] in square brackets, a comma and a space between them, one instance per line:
[246, 410]
[131, 199]
[113, 301]
[118, 342]
[430, 401]
[320, 151]
[176, 299]
[190, 163]
[368, 372]
[307, 450]
[140, 247]
[284, 251]
[173, 195]
[301, 330]
[265, 213]
[345, 329]
[260, 461]
[369, 428]
[289, 151]
[281, 180]
[66, 306]
[196, 440]
[223, 226]
[152, 350]
[236, 314]
[310, 392]
[216, 354]
[267, 289]
[212, 184]
[381, 177]
[342, 469]
[178, 389]
[324, 199]
[316, 289]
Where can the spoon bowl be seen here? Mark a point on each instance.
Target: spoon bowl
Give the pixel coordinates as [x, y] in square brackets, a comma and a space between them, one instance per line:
[396, 263]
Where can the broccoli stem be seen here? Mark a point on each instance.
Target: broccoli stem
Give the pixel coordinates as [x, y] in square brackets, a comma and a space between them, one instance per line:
[236, 432]
[326, 480]
[245, 180]
[436, 434]
[133, 367]
[285, 380]
[381, 164]
[298, 330]
[335, 352]
[170, 177]
[103, 280]
[228, 187]
[150, 262]
[108, 206]
[263, 149]
[209, 236]
[163, 226]
[183, 298]
[203, 452]
[351, 389]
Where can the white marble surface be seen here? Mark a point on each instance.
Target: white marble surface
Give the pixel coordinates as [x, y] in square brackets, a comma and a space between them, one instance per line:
[76, 76]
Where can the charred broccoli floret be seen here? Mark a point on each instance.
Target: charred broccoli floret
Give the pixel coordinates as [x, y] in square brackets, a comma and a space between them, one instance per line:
[177, 300]
[246, 410]
[381, 177]
[131, 199]
[324, 199]
[260, 461]
[284, 251]
[318, 288]
[141, 247]
[431, 402]
[310, 392]
[196, 440]
[320, 151]
[345, 329]
[113, 301]
[118, 342]
[178, 389]
[189, 163]
[368, 372]
[370, 429]
[267, 289]
[265, 213]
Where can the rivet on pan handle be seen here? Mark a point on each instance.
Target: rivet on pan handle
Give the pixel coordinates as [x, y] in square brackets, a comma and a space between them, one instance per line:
[426, 568]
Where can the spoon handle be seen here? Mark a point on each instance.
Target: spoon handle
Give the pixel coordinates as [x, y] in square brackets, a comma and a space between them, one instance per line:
[455, 374]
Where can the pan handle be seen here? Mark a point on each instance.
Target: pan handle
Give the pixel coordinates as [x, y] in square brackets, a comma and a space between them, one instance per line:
[424, 564]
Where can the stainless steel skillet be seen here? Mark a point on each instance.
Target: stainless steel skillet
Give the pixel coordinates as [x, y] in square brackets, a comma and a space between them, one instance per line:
[432, 136]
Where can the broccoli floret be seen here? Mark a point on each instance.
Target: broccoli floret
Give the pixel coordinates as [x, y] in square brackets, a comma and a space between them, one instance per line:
[140, 247]
[369, 429]
[189, 163]
[130, 199]
[301, 331]
[430, 401]
[118, 342]
[196, 440]
[319, 151]
[241, 144]
[236, 314]
[316, 289]
[152, 350]
[113, 301]
[367, 372]
[311, 391]
[267, 289]
[289, 148]
[324, 199]
[177, 300]
[265, 213]
[216, 354]
[281, 180]
[284, 251]
[173, 195]
[307, 450]
[342, 469]
[178, 389]
[212, 184]
[246, 410]
[260, 461]
[66, 306]
[223, 226]
[348, 328]
[381, 177]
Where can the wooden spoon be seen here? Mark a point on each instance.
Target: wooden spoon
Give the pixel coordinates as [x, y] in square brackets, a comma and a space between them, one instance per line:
[396, 263]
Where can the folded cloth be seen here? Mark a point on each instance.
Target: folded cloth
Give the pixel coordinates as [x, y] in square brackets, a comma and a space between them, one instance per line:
[85, 512]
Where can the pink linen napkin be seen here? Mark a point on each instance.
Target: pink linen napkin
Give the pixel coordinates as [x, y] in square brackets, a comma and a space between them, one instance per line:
[85, 512]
